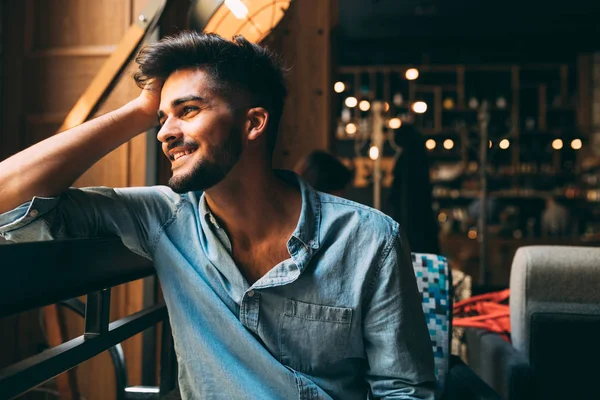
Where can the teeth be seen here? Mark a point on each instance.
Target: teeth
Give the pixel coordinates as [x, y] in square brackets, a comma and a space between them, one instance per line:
[181, 154]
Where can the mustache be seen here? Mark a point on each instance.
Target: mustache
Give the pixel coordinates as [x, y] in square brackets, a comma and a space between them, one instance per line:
[181, 143]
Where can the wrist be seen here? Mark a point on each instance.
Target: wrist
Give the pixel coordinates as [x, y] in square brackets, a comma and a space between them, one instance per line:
[145, 118]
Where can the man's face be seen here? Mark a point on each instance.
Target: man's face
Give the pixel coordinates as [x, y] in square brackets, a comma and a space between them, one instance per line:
[200, 132]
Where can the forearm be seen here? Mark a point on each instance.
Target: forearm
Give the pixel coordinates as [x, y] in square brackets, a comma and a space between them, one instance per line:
[51, 166]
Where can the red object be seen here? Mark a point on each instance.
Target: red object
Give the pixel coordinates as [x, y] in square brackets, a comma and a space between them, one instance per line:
[484, 311]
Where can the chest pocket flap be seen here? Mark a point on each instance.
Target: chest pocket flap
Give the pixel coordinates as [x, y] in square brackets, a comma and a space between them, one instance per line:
[312, 336]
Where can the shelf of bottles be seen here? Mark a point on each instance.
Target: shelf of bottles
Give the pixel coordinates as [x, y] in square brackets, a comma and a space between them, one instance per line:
[357, 95]
[533, 127]
[532, 114]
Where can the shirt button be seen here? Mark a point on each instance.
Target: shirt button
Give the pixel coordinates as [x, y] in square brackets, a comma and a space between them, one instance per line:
[251, 293]
[33, 213]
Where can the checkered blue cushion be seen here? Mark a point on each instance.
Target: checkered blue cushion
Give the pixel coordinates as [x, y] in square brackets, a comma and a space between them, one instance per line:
[433, 280]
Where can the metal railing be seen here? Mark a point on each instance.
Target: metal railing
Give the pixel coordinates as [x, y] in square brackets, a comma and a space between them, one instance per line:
[43, 273]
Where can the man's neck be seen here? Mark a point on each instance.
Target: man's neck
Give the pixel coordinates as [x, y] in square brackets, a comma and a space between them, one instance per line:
[253, 203]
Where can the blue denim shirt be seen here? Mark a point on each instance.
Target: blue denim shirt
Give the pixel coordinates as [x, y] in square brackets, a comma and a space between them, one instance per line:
[340, 319]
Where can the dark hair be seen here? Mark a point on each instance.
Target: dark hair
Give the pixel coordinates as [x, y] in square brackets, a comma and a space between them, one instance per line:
[324, 172]
[237, 67]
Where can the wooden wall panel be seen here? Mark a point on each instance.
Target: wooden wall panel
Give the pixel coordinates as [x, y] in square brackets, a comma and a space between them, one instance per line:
[56, 82]
[55, 49]
[71, 23]
[13, 46]
[304, 39]
[109, 169]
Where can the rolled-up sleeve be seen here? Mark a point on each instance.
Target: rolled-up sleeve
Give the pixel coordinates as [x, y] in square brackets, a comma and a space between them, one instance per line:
[397, 342]
[136, 215]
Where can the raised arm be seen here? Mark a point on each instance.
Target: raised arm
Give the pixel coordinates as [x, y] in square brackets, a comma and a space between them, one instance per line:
[49, 167]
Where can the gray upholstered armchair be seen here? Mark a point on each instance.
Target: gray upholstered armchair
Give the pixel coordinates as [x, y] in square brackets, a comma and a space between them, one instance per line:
[555, 324]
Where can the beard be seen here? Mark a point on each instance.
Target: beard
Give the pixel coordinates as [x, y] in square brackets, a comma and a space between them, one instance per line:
[212, 168]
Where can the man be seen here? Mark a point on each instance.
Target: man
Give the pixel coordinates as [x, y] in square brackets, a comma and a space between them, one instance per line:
[274, 291]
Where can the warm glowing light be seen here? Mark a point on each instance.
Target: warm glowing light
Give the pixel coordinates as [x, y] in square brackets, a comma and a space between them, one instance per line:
[386, 106]
[395, 123]
[419, 107]
[442, 217]
[448, 144]
[473, 103]
[373, 153]
[412, 74]
[576, 144]
[490, 144]
[237, 8]
[557, 144]
[472, 234]
[351, 128]
[398, 99]
[346, 114]
[592, 195]
[364, 105]
[351, 102]
[430, 144]
[339, 87]
[504, 144]
[501, 102]
[448, 103]
[253, 19]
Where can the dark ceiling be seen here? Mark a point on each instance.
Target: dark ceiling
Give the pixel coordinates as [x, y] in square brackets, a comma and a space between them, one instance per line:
[376, 31]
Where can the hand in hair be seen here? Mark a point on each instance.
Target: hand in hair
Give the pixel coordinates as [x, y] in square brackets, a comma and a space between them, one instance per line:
[149, 99]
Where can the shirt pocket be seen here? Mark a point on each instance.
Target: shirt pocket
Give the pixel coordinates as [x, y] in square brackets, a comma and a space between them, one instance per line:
[313, 337]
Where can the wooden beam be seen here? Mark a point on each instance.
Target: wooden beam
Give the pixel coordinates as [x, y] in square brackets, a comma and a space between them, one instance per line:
[114, 65]
[303, 38]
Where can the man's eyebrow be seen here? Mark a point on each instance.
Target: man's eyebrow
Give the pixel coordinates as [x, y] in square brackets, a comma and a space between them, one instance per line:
[191, 97]
[180, 101]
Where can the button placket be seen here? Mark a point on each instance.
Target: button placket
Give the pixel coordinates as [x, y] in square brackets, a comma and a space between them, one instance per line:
[250, 310]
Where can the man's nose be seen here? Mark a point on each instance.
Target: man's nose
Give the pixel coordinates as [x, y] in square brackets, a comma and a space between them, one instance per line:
[169, 132]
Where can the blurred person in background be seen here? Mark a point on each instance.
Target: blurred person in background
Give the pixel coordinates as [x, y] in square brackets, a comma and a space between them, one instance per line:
[410, 198]
[325, 173]
[555, 219]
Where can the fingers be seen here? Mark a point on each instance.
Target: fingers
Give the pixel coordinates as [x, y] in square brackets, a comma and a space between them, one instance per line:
[154, 85]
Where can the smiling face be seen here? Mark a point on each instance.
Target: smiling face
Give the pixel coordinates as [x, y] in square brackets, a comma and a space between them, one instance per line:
[201, 133]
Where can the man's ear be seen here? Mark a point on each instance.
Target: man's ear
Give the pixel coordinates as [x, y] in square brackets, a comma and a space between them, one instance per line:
[257, 118]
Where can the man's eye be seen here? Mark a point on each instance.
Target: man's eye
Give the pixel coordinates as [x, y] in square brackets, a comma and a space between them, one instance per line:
[188, 109]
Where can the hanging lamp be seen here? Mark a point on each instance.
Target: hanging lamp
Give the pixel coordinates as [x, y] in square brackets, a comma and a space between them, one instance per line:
[253, 19]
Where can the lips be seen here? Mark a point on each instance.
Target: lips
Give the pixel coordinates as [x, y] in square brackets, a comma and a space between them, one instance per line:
[180, 154]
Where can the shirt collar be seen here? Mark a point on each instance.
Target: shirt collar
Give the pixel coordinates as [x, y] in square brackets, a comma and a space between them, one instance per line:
[307, 230]
[206, 213]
